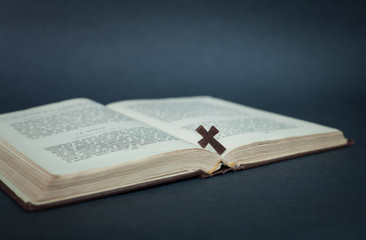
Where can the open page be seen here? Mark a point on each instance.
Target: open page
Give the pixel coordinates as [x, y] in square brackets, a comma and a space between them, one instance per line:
[238, 125]
[80, 134]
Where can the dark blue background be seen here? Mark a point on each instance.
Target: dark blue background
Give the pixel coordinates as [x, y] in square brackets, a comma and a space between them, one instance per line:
[304, 59]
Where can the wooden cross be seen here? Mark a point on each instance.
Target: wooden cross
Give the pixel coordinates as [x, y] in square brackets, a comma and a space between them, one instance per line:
[208, 138]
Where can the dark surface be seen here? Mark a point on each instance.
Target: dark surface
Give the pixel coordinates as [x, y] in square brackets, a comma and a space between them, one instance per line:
[299, 58]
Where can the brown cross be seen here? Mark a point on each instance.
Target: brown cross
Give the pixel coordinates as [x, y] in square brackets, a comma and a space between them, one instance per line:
[208, 138]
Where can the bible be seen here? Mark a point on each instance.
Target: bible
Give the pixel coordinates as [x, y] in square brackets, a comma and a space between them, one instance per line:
[78, 149]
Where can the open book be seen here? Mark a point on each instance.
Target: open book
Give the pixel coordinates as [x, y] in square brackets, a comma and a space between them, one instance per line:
[78, 149]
